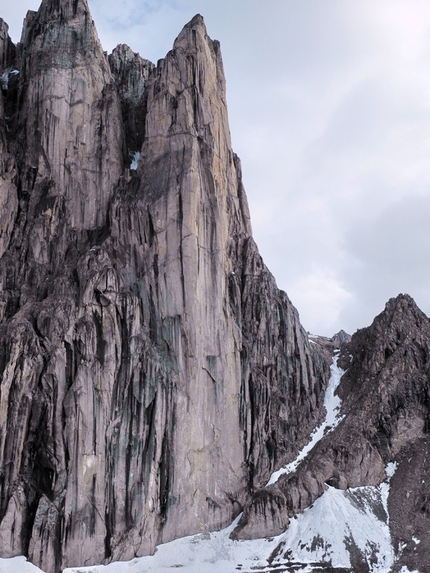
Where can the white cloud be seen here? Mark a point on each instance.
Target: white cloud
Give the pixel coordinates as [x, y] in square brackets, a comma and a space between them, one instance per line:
[320, 298]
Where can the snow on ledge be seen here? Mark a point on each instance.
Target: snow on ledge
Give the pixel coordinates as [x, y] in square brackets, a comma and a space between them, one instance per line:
[18, 565]
[4, 80]
[135, 160]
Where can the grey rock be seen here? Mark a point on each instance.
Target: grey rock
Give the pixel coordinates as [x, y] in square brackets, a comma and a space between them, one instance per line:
[340, 338]
[69, 119]
[152, 374]
[131, 73]
[8, 191]
[386, 407]
[7, 47]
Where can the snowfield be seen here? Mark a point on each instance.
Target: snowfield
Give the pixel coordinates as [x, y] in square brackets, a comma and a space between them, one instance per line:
[18, 565]
[323, 534]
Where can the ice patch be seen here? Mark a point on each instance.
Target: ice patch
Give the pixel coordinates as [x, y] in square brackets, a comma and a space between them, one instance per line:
[4, 80]
[332, 404]
[135, 161]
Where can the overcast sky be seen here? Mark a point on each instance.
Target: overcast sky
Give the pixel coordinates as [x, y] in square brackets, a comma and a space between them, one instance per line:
[329, 105]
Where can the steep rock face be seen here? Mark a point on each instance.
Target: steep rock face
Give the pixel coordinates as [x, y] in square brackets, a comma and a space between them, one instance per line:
[69, 118]
[8, 191]
[385, 403]
[189, 224]
[7, 48]
[152, 375]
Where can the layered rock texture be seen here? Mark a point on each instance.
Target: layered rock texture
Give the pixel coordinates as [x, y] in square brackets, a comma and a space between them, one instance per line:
[385, 396]
[152, 374]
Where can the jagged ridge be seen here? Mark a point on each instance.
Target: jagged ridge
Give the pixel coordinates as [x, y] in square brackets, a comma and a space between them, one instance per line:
[385, 402]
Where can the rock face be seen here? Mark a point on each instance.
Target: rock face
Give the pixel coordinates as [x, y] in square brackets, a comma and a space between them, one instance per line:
[152, 374]
[386, 408]
[8, 190]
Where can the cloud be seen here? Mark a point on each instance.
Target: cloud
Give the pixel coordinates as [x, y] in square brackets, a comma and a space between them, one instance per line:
[320, 298]
[13, 13]
[390, 252]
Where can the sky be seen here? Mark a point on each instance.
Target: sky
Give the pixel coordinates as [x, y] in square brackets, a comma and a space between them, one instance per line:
[329, 107]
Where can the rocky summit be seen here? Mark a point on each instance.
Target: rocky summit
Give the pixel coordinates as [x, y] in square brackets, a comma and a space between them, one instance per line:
[152, 376]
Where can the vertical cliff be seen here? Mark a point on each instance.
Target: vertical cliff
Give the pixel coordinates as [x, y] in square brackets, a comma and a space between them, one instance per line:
[152, 374]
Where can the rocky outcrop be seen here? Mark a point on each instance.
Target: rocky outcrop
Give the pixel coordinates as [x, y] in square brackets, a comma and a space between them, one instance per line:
[385, 404]
[8, 190]
[7, 48]
[340, 339]
[152, 374]
[69, 120]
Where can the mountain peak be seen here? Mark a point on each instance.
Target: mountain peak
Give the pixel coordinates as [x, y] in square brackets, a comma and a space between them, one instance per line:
[65, 9]
[403, 302]
[195, 22]
[74, 26]
[188, 37]
[401, 314]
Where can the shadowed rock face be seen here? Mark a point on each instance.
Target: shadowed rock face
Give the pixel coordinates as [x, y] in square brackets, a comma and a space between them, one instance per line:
[8, 190]
[152, 374]
[131, 73]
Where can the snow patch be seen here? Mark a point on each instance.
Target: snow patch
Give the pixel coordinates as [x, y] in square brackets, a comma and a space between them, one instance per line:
[135, 160]
[339, 523]
[4, 78]
[332, 405]
[18, 565]
[390, 469]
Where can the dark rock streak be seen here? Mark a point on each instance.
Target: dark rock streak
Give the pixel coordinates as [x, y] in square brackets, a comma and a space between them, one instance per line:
[152, 374]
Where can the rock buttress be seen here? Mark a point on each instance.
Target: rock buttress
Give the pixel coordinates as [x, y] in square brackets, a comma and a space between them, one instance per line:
[152, 374]
[69, 116]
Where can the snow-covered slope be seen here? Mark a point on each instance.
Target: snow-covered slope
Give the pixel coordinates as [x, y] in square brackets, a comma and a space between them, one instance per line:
[18, 565]
[347, 530]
